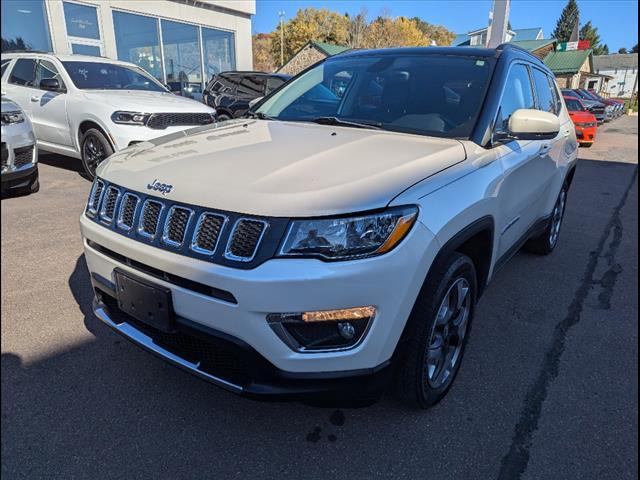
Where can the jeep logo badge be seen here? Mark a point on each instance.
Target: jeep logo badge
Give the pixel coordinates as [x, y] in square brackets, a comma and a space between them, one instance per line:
[158, 186]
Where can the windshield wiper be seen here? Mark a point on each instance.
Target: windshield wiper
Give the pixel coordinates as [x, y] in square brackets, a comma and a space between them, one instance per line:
[258, 115]
[346, 123]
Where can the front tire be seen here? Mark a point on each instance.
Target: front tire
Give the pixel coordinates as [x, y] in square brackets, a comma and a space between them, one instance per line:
[95, 148]
[437, 332]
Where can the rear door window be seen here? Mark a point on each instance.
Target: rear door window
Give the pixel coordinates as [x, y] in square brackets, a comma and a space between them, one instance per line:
[24, 72]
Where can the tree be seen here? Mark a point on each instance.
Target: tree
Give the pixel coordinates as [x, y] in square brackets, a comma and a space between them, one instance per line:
[634, 49]
[435, 33]
[400, 32]
[567, 21]
[356, 28]
[263, 59]
[310, 24]
[622, 50]
[590, 33]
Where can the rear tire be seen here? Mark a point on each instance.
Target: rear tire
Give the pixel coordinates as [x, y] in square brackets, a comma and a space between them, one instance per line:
[547, 241]
[95, 148]
[223, 117]
[437, 332]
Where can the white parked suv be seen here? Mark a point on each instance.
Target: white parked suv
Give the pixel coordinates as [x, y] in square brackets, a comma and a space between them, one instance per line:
[89, 107]
[341, 235]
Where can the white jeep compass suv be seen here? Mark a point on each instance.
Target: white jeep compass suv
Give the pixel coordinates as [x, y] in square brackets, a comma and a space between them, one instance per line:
[89, 107]
[341, 236]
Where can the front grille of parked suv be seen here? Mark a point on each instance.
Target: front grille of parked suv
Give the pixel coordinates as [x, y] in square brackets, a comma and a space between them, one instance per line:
[160, 121]
[221, 237]
[22, 156]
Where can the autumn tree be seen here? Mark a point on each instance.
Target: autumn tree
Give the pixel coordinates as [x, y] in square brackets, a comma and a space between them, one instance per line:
[310, 24]
[263, 59]
[356, 29]
[437, 34]
[567, 21]
[399, 32]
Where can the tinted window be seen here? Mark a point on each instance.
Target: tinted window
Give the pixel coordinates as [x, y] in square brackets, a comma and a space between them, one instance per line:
[108, 76]
[573, 105]
[219, 51]
[272, 84]
[517, 94]
[224, 84]
[422, 94]
[143, 48]
[81, 21]
[252, 86]
[546, 102]
[25, 26]
[46, 69]
[24, 72]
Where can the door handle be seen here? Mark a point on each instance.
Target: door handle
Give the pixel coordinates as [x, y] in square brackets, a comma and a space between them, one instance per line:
[35, 98]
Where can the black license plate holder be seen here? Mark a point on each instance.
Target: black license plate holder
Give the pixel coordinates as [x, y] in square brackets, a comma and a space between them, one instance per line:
[145, 301]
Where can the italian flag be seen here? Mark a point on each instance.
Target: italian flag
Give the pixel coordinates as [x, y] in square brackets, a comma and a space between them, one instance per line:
[566, 46]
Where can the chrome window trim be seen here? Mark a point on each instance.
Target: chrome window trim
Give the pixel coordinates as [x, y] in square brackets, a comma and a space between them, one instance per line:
[230, 256]
[165, 230]
[141, 219]
[90, 210]
[103, 217]
[119, 223]
[194, 240]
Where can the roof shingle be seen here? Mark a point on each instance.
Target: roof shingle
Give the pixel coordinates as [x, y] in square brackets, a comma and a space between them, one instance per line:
[615, 61]
[566, 62]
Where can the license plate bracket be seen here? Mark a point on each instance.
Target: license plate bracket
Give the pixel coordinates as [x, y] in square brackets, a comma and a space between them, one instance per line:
[145, 301]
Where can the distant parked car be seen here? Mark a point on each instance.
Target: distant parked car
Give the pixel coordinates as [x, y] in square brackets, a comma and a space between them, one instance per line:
[19, 151]
[231, 92]
[611, 107]
[90, 107]
[618, 105]
[585, 122]
[595, 107]
[186, 89]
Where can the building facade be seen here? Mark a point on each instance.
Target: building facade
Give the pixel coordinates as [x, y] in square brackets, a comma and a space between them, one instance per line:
[181, 41]
[623, 70]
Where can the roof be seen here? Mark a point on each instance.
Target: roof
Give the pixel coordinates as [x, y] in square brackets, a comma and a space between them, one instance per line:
[458, 51]
[567, 62]
[527, 33]
[65, 57]
[533, 45]
[614, 61]
[461, 39]
[329, 48]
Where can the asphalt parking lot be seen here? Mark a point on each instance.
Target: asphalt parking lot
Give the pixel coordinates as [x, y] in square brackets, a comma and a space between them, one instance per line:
[548, 387]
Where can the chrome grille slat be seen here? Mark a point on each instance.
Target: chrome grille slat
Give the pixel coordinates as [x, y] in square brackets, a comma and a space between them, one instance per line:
[149, 218]
[207, 233]
[107, 211]
[244, 239]
[176, 226]
[127, 213]
[95, 196]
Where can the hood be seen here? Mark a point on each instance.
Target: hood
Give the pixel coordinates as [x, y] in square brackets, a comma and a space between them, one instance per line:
[9, 106]
[146, 101]
[582, 116]
[286, 169]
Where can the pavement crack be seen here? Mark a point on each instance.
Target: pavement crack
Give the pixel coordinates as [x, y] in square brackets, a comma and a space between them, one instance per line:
[515, 462]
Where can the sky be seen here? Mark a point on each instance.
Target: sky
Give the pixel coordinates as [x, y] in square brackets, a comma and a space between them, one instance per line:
[617, 20]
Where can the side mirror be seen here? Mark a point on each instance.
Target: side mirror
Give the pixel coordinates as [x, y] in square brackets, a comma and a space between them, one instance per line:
[527, 124]
[50, 84]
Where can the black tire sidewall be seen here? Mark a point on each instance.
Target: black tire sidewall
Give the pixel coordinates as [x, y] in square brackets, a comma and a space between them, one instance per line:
[105, 144]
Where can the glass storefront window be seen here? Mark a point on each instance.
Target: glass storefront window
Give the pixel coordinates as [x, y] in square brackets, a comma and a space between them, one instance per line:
[81, 20]
[80, 49]
[137, 41]
[25, 26]
[219, 51]
[182, 61]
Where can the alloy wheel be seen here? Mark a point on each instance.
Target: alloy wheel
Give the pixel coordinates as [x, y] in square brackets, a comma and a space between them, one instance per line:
[94, 153]
[556, 219]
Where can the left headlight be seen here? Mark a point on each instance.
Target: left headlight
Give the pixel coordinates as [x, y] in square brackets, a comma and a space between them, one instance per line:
[349, 238]
[130, 118]
[9, 118]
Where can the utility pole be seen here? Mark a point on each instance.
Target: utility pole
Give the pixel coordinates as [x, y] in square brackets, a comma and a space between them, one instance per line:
[498, 23]
[281, 15]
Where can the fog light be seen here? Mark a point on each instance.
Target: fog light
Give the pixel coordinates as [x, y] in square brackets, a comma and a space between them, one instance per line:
[322, 330]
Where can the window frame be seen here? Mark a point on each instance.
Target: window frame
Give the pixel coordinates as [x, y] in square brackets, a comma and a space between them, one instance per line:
[90, 42]
[532, 69]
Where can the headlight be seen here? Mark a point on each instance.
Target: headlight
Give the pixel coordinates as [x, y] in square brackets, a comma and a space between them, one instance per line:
[130, 118]
[9, 118]
[349, 237]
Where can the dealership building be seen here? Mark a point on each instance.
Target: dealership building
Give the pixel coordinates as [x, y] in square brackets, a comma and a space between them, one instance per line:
[184, 41]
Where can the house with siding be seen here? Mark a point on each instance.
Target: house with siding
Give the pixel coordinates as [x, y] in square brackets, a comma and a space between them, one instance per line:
[478, 38]
[623, 70]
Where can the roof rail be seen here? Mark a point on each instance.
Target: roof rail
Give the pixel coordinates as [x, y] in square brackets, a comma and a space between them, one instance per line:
[511, 46]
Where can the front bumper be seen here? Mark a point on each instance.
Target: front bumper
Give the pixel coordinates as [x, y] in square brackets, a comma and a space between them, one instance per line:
[390, 283]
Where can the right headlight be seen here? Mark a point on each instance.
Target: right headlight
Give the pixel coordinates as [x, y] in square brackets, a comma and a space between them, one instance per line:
[9, 118]
[347, 238]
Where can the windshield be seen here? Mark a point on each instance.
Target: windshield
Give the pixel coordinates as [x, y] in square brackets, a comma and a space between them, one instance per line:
[573, 105]
[422, 94]
[109, 76]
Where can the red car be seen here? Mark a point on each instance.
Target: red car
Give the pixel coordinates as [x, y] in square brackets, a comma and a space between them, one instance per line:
[585, 122]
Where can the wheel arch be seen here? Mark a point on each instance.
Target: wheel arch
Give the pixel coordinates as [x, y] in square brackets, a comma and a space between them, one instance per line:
[88, 124]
